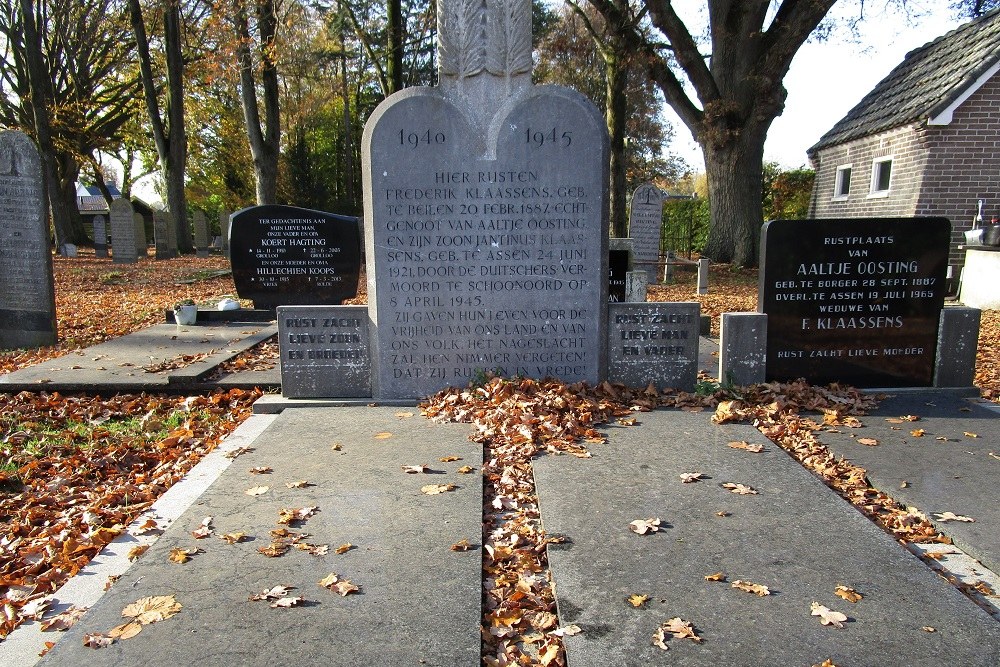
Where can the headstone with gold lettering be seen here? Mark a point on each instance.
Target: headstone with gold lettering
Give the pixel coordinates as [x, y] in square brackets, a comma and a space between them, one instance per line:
[485, 216]
[27, 294]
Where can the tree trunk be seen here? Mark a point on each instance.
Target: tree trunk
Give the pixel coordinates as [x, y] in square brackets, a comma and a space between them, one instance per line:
[615, 114]
[348, 168]
[264, 142]
[68, 173]
[734, 193]
[176, 155]
[394, 9]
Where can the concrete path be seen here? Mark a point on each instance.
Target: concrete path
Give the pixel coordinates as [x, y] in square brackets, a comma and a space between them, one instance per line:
[419, 602]
[795, 536]
[959, 473]
[145, 360]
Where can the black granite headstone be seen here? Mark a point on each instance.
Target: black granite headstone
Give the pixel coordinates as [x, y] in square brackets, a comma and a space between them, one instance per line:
[855, 301]
[617, 268]
[283, 255]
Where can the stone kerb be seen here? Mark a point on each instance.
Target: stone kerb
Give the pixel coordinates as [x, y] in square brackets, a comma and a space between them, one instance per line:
[123, 229]
[645, 225]
[654, 343]
[486, 225]
[324, 351]
[27, 293]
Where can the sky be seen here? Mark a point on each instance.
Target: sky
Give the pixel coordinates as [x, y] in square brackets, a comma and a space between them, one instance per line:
[827, 79]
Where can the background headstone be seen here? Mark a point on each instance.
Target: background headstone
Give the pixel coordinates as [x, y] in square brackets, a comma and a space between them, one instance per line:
[224, 230]
[619, 264]
[141, 245]
[171, 220]
[200, 234]
[645, 223]
[324, 351]
[27, 294]
[654, 343]
[485, 214]
[855, 301]
[161, 235]
[283, 255]
[100, 236]
[123, 243]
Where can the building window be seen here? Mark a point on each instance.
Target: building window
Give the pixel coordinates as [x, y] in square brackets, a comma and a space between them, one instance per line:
[842, 187]
[881, 176]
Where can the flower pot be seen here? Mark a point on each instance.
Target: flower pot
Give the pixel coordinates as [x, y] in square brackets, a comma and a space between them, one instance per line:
[184, 315]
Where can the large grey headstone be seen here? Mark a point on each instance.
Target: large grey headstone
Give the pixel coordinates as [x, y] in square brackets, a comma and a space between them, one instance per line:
[27, 294]
[171, 219]
[324, 351]
[200, 234]
[645, 223]
[654, 343]
[161, 235]
[123, 243]
[485, 216]
[141, 245]
[224, 223]
[100, 236]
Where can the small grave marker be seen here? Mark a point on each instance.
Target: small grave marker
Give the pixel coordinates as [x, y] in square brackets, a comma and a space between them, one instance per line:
[100, 236]
[654, 342]
[161, 236]
[200, 234]
[141, 244]
[324, 351]
[27, 295]
[856, 301]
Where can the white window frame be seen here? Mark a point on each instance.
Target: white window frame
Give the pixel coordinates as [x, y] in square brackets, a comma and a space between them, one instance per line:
[838, 182]
[876, 170]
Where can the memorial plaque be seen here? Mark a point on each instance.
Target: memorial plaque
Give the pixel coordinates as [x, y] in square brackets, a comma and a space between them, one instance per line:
[200, 234]
[854, 301]
[324, 351]
[617, 271]
[161, 235]
[654, 343]
[27, 295]
[123, 243]
[645, 223]
[100, 236]
[282, 255]
[485, 212]
[141, 244]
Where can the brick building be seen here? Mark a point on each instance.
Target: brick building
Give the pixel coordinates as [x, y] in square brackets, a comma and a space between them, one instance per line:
[924, 141]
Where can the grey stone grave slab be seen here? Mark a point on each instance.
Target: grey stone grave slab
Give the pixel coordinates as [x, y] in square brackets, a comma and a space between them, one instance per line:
[141, 246]
[635, 286]
[645, 224]
[161, 235]
[100, 236]
[486, 224]
[27, 294]
[200, 234]
[224, 226]
[324, 351]
[123, 241]
[654, 343]
[171, 219]
[958, 343]
[856, 301]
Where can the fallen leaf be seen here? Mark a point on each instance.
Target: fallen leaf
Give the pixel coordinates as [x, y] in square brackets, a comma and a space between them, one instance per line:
[271, 593]
[827, 616]
[677, 628]
[941, 438]
[740, 489]
[984, 588]
[384, 435]
[918, 432]
[125, 630]
[826, 663]
[137, 551]
[465, 470]
[147, 527]
[461, 545]
[261, 470]
[333, 582]
[294, 514]
[287, 602]
[412, 470]
[868, 442]
[847, 593]
[97, 641]
[904, 484]
[944, 517]
[637, 600]
[566, 631]
[204, 530]
[257, 490]
[233, 538]
[404, 415]
[301, 484]
[928, 628]
[970, 435]
[239, 451]
[688, 477]
[627, 422]
[152, 609]
[434, 489]
[743, 444]
[343, 548]
[643, 526]
[179, 555]
[718, 576]
[337, 447]
[723, 513]
[449, 459]
[314, 549]
[63, 620]
[274, 549]
[757, 589]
